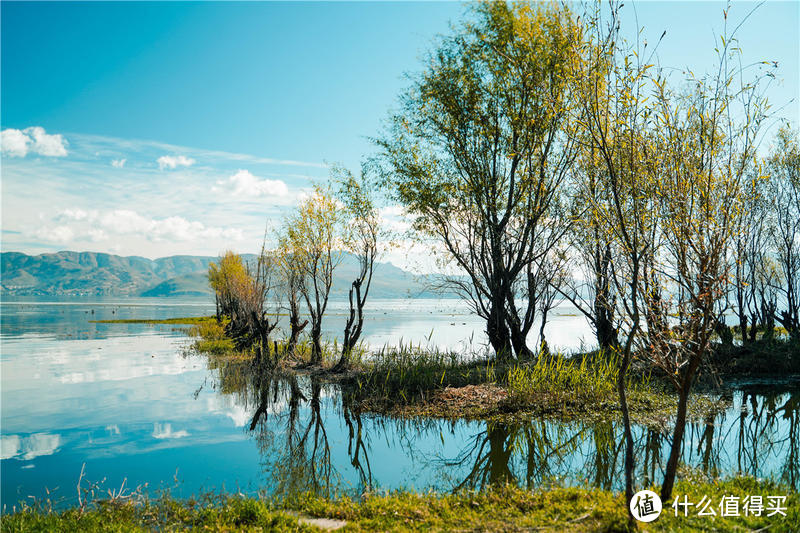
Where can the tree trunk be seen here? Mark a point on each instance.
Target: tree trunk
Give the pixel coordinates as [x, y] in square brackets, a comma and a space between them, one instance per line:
[353, 327]
[497, 331]
[316, 344]
[297, 327]
[520, 344]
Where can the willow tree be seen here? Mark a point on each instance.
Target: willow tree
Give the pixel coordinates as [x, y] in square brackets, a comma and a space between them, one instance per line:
[479, 151]
[707, 137]
[753, 268]
[593, 249]
[243, 293]
[362, 231]
[616, 221]
[314, 234]
[228, 279]
[292, 279]
[784, 167]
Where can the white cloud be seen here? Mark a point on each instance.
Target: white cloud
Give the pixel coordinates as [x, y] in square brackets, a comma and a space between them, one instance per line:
[118, 163]
[174, 161]
[394, 218]
[76, 214]
[246, 184]
[57, 234]
[18, 143]
[96, 235]
[15, 143]
[128, 222]
[164, 431]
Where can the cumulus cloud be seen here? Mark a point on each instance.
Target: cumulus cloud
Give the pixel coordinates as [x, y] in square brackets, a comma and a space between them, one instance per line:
[34, 140]
[127, 222]
[118, 163]
[174, 161]
[57, 234]
[243, 183]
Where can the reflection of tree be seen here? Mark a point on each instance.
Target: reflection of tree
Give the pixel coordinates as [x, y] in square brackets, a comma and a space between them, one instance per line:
[290, 415]
[771, 429]
[651, 465]
[764, 430]
[606, 452]
[489, 455]
[493, 454]
[303, 462]
[357, 449]
[791, 413]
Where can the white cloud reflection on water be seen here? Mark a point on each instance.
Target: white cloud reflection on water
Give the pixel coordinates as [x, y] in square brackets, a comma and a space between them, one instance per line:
[29, 447]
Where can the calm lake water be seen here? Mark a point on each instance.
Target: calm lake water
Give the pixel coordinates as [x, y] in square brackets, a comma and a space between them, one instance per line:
[130, 402]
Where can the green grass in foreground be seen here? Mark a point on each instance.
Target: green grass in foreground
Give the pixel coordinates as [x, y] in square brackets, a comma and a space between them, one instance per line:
[500, 509]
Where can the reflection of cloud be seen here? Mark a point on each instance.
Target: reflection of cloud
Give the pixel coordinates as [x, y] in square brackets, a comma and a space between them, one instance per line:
[239, 416]
[113, 429]
[164, 431]
[27, 448]
[226, 405]
[9, 446]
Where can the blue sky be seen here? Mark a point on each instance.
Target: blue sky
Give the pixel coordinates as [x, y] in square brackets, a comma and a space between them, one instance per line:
[163, 128]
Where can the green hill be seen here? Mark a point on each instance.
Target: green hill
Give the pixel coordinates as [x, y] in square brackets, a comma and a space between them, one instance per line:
[89, 273]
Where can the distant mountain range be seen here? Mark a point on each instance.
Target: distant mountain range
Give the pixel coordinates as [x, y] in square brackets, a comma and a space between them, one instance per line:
[89, 273]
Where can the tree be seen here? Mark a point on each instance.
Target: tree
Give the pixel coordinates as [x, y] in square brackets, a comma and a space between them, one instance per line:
[593, 250]
[480, 150]
[228, 278]
[784, 167]
[361, 239]
[314, 234]
[753, 269]
[613, 118]
[292, 274]
[707, 139]
[243, 294]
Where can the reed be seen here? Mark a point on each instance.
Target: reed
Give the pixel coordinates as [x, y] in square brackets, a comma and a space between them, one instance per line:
[407, 373]
[582, 378]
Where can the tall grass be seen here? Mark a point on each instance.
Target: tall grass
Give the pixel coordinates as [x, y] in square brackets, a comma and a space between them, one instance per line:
[405, 373]
[584, 378]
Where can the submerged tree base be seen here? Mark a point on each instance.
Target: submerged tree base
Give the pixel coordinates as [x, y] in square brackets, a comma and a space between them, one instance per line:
[506, 508]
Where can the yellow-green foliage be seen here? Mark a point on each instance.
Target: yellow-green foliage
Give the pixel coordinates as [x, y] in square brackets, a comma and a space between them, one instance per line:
[212, 339]
[584, 378]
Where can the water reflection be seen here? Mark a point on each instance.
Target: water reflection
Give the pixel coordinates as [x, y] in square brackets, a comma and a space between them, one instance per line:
[291, 416]
[126, 401]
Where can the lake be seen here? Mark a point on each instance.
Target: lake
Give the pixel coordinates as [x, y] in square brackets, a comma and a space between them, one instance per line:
[131, 402]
